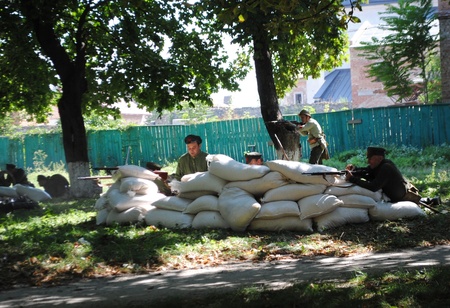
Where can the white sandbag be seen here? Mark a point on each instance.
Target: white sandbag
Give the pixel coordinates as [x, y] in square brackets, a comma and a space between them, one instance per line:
[340, 217]
[313, 206]
[209, 220]
[133, 171]
[393, 211]
[278, 209]
[292, 192]
[101, 217]
[357, 201]
[101, 203]
[197, 194]
[294, 169]
[218, 157]
[232, 170]
[122, 202]
[115, 186]
[8, 192]
[238, 207]
[203, 203]
[280, 224]
[130, 216]
[354, 189]
[172, 203]
[34, 194]
[199, 181]
[258, 187]
[138, 185]
[168, 219]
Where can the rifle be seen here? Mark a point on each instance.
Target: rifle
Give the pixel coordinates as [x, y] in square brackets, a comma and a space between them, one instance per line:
[289, 125]
[325, 173]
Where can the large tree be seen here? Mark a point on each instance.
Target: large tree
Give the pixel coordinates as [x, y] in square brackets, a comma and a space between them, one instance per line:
[406, 52]
[289, 39]
[86, 55]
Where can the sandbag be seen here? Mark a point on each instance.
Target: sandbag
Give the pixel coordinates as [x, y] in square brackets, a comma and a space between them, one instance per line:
[172, 203]
[130, 216]
[196, 194]
[8, 192]
[230, 170]
[278, 209]
[292, 192]
[238, 207]
[101, 203]
[258, 187]
[316, 205]
[341, 216]
[168, 219]
[281, 224]
[354, 189]
[209, 220]
[294, 169]
[394, 211]
[138, 185]
[199, 181]
[102, 216]
[203, 203]
[357, 201]
[133, 171]
[34, 194]
[122, 202]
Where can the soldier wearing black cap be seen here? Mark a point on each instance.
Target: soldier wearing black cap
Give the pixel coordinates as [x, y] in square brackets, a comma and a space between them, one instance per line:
[381, 174]
[194, 160]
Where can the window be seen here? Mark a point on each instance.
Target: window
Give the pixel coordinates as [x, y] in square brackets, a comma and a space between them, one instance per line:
[298, 98]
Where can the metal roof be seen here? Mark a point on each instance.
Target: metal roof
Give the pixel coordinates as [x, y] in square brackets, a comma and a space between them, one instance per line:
[337, 87]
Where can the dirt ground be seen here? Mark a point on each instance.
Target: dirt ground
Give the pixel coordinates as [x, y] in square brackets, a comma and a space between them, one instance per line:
[141, 290]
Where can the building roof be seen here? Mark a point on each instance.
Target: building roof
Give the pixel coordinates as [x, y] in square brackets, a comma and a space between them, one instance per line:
[337, 87]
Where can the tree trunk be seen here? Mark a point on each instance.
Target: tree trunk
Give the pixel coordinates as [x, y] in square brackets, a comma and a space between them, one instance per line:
[75, 139]
[287, 142]
[73, 78]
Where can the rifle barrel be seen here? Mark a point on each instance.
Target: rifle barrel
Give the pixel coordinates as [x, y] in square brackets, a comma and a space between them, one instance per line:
[325, 173]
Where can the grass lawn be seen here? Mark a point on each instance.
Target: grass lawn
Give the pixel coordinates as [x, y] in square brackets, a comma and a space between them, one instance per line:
[60, 242]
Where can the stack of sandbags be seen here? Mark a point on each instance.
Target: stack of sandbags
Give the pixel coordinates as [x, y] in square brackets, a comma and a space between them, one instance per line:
[272, 197]
[130, 197]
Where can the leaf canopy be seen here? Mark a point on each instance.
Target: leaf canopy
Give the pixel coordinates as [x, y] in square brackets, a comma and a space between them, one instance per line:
[156, 53]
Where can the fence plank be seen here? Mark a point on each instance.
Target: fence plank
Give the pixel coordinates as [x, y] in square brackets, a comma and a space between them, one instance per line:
[419, 126]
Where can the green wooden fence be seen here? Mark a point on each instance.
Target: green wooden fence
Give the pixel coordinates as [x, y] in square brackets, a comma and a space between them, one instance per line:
[417, 126]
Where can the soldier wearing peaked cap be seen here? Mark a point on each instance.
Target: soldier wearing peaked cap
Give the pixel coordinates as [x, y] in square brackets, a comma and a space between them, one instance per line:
[253, 158]
[382, 173]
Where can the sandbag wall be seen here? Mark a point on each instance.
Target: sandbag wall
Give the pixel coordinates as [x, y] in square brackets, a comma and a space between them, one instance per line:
[272, 197]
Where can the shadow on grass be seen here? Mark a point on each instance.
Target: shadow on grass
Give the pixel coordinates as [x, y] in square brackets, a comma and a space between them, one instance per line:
[43, 243]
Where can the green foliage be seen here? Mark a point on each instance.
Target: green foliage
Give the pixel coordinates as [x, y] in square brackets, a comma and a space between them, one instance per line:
[156, 53]
[304, 38]
[408, 47]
